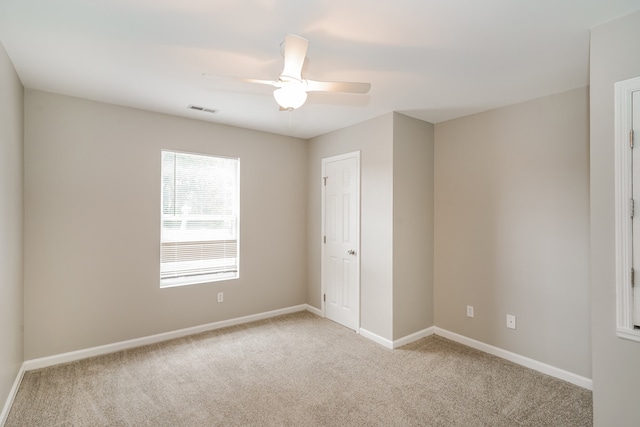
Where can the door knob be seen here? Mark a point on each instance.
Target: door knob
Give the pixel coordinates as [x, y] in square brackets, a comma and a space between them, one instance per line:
[351, 252]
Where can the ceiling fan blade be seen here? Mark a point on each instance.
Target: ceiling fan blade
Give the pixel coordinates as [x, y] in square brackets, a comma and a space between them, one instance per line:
[348, 87]
[262, 82]
[239, 79]
[295, 49]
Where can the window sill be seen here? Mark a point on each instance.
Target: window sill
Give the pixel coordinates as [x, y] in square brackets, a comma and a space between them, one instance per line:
[208, 278]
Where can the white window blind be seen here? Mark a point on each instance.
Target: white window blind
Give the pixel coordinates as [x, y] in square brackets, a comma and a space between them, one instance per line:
[200, 218]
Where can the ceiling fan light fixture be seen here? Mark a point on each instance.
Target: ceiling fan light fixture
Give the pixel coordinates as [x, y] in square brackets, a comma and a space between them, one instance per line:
[290, 97]
[291, 89]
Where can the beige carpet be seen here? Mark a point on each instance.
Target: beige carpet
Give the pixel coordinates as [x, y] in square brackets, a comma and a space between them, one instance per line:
[296, 370]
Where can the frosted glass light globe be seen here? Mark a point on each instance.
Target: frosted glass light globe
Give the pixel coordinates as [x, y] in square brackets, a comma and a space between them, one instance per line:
[290, 97]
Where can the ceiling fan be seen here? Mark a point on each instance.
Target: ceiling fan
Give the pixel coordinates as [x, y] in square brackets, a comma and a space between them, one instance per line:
[291, 89]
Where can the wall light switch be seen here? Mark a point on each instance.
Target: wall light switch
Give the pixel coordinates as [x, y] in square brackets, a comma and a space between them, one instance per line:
[220, 297]
[511, 321]
[469, 311]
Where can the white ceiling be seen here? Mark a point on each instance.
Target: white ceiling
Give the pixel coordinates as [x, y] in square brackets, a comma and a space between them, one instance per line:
[431, 59]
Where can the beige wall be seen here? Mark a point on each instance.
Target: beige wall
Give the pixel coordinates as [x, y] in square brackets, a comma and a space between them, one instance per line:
[412, 225]
[11, 308]
[616, 376]
[92, 198]
[511, 228]
[373, 139]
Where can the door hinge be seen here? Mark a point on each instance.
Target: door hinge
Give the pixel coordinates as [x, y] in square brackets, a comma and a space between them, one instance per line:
[324, 239]
[324, 297]
[324, 178]
[633, 278]
[632, 207]
[631, 138]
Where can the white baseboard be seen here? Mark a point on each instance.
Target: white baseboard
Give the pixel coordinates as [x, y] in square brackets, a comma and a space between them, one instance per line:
[570, 377]
[414, 337]
[152, 339]
[312, 309]
[399, 342]
[553, 371]
[376, 338]
[12, 395]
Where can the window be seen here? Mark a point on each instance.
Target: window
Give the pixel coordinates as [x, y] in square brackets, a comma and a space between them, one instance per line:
[627, 200]
[200, 218]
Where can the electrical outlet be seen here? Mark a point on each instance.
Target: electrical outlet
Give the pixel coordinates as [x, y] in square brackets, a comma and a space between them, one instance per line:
[511, 321]
[469, 311]
[220, 296]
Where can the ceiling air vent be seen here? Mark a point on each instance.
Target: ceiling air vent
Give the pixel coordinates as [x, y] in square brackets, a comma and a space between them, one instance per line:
[203, 109]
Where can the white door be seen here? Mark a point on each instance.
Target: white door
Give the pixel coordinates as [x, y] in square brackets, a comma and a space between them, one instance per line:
[636, 197]
[341, 239]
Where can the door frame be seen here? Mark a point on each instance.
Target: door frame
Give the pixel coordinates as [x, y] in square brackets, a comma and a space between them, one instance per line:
[325, 160]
